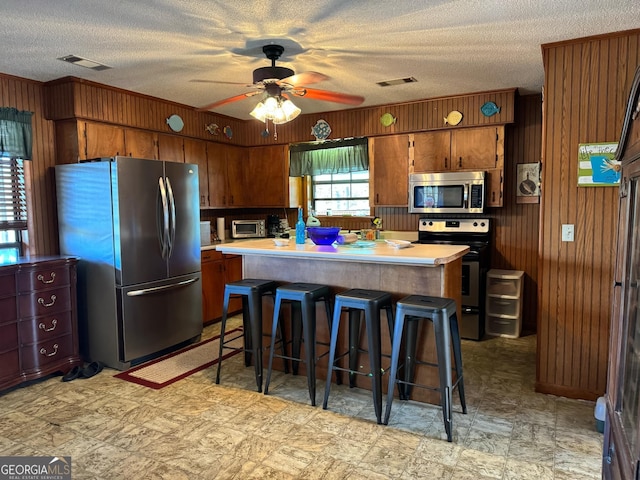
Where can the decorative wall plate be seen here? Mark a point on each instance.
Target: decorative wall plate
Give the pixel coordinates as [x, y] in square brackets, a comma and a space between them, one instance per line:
[387, 120]
[228, 132]
[212, 128]
[321, 130]
[175, 123]
[453, 118]
[489, 109]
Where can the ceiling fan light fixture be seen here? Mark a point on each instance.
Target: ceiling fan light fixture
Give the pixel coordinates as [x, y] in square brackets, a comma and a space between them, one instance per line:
[276, 109]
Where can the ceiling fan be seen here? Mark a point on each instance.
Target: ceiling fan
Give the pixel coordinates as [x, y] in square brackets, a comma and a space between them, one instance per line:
[281, 83]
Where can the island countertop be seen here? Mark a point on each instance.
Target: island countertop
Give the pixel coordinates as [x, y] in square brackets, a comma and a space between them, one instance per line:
[377, 252]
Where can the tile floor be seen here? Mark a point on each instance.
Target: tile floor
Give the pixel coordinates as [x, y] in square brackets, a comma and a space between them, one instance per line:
[195, 429]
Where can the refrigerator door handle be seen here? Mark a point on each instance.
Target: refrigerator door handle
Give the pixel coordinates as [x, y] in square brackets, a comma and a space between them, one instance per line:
[163, 236]
[172, 217]
[147, 291]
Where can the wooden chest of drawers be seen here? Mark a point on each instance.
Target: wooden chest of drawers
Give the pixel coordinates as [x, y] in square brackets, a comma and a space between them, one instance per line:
[38, 319]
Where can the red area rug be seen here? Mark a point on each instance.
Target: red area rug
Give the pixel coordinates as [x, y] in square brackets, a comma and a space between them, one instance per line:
[175, 366]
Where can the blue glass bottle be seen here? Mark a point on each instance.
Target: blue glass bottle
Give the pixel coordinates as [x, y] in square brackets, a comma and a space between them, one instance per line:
[300, 228]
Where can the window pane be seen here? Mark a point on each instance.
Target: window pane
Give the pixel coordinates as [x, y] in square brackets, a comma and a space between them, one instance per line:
[360, 190]
[341, 190]
[322, 191]
[337, 177]
[360, 175]
[322, 178]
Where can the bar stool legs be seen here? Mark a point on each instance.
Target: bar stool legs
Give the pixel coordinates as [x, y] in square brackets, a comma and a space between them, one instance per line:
[303, 298]
[442, 313]
[358, 301]
[252, 291]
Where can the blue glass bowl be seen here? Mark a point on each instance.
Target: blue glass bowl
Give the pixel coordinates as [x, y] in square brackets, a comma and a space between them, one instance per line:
[323, 235]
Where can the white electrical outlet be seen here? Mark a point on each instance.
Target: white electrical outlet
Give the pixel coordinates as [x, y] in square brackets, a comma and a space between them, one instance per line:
[567, 233]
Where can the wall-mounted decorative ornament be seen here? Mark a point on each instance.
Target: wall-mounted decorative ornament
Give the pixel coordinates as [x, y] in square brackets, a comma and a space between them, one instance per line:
[453, 118]
[175, 123]
[321, 130]
[489, 109]
[227, 132]
[212, 128]
[387, 119]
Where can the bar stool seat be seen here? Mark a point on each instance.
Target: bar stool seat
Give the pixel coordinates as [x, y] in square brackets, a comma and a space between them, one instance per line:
[442, 313]
[252, 290]
[303, 298]
[369, 302]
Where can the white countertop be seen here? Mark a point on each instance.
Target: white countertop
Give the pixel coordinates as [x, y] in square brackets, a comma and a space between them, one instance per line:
[378, 252]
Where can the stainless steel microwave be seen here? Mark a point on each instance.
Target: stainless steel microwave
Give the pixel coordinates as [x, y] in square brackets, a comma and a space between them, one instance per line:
[248, 229]
[447, 192]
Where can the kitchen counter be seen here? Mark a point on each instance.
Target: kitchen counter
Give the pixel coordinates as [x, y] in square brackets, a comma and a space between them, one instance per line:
[378, 251]
[425, 269]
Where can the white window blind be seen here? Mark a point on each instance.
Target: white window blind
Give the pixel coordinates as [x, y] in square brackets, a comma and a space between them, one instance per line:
[13, 198]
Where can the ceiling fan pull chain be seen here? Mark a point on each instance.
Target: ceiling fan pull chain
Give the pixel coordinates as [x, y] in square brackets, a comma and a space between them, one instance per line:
[275, 132]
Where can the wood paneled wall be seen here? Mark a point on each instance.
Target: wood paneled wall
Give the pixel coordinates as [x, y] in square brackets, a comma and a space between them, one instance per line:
[587, 83]
[28, 95]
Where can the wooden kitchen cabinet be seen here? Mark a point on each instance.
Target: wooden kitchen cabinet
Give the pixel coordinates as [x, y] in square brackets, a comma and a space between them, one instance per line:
[621, 455]
[170, 148]
[389, 170]
[38, 319]
[225, 166]
[140, 144]
[266, 178]
[195, 152]
[217, 270]
[478, 149]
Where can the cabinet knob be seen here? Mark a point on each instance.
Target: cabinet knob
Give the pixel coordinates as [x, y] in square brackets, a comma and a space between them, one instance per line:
[460, 162]
[493, 196]
[446, 161]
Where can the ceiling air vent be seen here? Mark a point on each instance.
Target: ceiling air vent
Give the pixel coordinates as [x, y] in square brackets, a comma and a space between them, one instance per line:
[397, 81]
[83, 62]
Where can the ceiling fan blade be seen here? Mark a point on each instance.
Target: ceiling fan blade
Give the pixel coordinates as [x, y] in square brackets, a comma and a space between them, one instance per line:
[195, 80]
[228, 100]
[305, 78]
[328, 96]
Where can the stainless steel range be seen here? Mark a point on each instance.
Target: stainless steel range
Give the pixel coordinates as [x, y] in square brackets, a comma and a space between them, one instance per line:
[475, 232]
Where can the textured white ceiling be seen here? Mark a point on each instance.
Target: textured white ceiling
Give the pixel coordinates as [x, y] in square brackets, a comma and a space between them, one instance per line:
[158, 47]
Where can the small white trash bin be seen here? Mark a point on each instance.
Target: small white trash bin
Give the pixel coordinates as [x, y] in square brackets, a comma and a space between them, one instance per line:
[600, 413]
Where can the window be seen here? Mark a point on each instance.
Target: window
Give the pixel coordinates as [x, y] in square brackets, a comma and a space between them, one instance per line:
[341, 193]
[13, 208]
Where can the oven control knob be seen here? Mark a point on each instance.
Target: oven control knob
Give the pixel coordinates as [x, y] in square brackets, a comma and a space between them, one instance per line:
[482, 224]
[475, 224]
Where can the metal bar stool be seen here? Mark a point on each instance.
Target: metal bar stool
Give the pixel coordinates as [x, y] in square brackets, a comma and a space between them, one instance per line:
[252, 290]
[359, 301]
[303, 298]
[442, 312]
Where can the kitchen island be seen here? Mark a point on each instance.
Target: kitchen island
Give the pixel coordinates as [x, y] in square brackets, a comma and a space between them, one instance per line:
[424, 269]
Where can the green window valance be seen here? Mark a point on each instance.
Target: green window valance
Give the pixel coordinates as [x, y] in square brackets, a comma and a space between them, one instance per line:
[329, 156]
[15, 133]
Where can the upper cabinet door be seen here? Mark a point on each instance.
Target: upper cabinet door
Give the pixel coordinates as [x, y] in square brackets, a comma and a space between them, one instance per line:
[217, 175]
[140, 144]
[237, 172]
[170, 148]
[267, 182]
[476, 148]
[389, 170]
[101, 140]
[432, 151]
[195, 151]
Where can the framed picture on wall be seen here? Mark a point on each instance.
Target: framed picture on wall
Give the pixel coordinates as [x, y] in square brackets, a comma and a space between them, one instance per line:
[597, 166]
[527, 183]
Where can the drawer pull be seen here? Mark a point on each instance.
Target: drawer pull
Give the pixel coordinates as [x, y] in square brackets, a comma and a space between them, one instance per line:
[52, 275]
[41, 301]
[43, 351]
[42, 326]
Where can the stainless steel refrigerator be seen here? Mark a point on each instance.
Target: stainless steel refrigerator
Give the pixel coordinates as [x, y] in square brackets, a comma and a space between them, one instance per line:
[134, 224]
